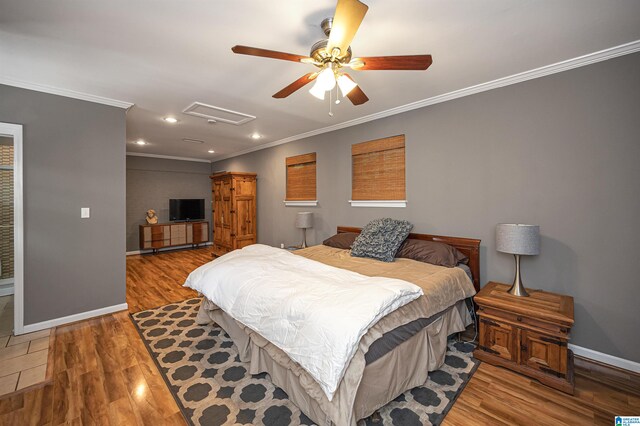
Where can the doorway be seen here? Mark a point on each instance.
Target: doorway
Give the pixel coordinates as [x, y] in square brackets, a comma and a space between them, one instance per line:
[11, 230]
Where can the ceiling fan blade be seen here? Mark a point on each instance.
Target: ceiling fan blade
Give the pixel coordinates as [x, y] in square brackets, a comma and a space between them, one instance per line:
[408, 62]
[356, 95]
[346, 21]
[255, 51]
[298, 84]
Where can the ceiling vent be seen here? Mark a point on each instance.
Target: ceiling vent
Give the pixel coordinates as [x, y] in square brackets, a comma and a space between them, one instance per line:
[222, 115]
[192, 140]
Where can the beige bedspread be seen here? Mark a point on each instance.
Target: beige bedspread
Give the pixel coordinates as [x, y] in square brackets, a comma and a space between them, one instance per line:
[442, 287]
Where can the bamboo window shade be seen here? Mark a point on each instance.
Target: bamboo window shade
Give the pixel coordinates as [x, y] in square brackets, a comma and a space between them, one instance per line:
[301, 177]
[378, 170]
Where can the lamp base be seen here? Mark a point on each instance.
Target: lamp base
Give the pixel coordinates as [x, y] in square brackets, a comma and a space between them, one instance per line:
[517, 289]
[304, 238]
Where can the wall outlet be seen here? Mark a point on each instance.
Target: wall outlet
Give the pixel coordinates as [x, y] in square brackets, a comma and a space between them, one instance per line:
[85, 212]
[281, 245]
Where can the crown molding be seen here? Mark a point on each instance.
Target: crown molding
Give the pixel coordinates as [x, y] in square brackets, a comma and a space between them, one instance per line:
[569, 64]
[64, 92]
[167, 157]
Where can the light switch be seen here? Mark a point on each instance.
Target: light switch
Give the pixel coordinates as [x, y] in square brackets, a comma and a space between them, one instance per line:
[85, 212]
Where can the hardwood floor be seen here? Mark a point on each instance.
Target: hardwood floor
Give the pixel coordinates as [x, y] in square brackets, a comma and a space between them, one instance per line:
[104, 375]
[156, 280]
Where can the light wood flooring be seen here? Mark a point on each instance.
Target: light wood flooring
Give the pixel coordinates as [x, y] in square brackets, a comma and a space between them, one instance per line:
[103, 373]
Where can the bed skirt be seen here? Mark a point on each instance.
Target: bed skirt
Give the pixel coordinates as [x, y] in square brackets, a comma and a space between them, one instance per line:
[403, 368]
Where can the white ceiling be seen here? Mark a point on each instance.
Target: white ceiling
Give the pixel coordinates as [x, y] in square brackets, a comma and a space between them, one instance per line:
[162, 55]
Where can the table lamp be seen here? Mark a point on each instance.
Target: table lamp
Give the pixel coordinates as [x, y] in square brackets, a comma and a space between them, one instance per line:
[304, 220]
[519, 240]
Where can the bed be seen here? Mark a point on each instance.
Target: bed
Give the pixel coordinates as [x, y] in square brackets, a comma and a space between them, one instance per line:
[396, 352]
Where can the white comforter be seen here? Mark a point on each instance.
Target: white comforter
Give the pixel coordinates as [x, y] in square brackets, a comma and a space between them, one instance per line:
[314, 312]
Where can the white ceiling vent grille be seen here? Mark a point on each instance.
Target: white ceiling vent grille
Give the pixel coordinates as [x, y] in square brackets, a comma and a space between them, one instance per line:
[210, 112]
[192, 140]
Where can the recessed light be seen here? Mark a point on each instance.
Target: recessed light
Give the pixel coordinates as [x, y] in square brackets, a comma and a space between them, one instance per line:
[171, 120]
[255, 136]
[141, 142]
[211, 151]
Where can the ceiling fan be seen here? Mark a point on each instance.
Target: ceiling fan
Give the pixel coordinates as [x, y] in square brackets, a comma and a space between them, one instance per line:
[332, 54]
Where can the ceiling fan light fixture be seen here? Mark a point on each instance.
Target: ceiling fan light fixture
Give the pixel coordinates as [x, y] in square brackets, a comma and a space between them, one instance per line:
[345, 84]
[327, 78]
[317, 91]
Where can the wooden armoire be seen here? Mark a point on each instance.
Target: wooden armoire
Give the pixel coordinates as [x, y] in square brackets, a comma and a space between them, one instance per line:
[234, 211]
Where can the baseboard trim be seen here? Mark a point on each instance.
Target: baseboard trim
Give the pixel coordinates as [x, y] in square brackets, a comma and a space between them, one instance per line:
[6, 287]
[30, 328]
[603, 358]
[188, 246]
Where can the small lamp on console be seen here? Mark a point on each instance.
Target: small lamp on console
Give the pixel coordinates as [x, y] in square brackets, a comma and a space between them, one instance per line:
[304, 220]
[519, 240]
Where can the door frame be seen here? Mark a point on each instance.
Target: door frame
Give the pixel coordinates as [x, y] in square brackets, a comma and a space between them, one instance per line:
[15, 131]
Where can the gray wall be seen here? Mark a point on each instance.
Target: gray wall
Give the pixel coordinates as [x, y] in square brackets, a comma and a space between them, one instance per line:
[74, 156]
[562, 151]
[151, 182]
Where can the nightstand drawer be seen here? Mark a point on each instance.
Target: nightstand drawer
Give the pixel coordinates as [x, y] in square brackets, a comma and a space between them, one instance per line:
[544, 353]
[499, 339]
[520, 320]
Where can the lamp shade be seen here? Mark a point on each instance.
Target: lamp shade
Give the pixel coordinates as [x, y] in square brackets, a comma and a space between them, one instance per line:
[304, 220]
[346, 84]
[326, 79]
[515, 238]
[317, 90]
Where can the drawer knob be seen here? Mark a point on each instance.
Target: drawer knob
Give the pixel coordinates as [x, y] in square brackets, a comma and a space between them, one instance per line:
[519, 319]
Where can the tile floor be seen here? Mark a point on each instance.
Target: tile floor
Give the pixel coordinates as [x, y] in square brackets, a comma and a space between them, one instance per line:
[6, 315]
[23, 359]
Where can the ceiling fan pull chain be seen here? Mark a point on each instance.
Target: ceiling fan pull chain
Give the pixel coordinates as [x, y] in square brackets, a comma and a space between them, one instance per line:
[337, 95]
[330, 103]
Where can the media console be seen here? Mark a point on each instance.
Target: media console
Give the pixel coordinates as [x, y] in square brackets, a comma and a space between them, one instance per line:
[163, 235]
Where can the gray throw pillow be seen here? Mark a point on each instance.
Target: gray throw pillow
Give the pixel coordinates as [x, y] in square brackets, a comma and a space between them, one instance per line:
[381, 238]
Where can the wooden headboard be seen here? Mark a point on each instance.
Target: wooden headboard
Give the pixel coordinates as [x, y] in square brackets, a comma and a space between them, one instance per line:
[470, 247]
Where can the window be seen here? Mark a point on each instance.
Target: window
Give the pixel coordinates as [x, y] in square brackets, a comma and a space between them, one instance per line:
[378, 173]
[301, 180]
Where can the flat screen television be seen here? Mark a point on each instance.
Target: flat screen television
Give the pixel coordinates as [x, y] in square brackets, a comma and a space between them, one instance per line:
[186, 209]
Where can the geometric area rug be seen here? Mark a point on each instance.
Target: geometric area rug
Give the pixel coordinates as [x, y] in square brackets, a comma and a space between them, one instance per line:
[210, 384]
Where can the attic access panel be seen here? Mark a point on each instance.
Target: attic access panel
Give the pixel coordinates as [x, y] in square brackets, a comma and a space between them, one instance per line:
[222, 115]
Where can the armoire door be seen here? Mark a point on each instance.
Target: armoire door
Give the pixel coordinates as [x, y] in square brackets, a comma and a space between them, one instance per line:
[227, 219]
[246, 226]
[217, 211]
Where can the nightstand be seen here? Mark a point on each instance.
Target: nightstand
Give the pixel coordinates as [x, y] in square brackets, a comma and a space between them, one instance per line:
[527, 334]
